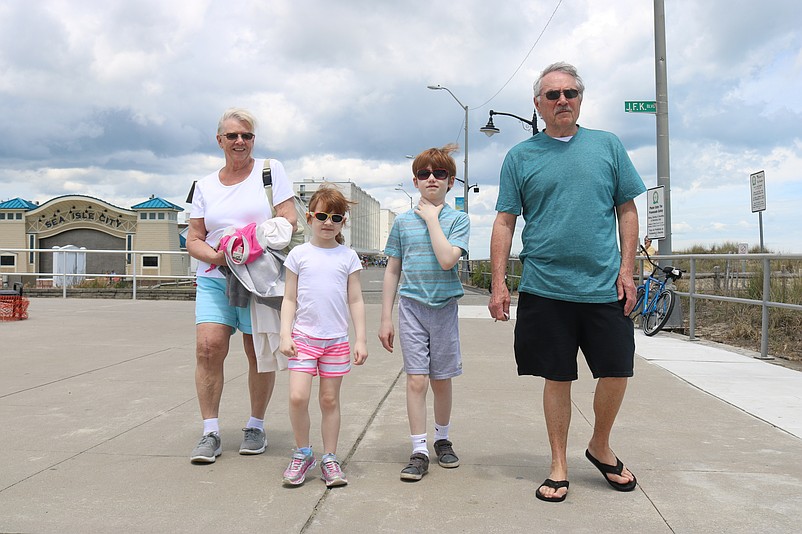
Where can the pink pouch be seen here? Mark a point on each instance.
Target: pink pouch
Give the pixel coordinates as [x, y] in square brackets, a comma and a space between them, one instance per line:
[241, 245]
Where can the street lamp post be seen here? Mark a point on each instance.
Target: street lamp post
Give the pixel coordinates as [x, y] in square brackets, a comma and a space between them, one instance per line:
[465, 147]
[490, 129]
[401, 188]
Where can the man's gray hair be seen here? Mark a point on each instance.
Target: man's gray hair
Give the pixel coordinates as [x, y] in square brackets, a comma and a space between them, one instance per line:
[239, 114]
[560, 66]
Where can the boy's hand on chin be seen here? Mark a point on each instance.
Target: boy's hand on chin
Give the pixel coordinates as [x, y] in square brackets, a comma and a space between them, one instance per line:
[428, 211]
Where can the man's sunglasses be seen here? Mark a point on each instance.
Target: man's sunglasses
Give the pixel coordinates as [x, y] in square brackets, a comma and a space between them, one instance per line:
[233, 136]
[322, 216]
[568, 93]
[440, 174]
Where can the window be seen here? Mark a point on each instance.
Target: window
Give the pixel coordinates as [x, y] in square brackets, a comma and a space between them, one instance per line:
[8, 260]
[152, 216]
[150, 261]
[3, 216]
[19, 216]
[31, 244]
[143, 216]
[161, 216]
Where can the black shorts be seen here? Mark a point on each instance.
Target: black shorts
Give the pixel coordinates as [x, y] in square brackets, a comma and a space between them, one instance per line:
[549, 332]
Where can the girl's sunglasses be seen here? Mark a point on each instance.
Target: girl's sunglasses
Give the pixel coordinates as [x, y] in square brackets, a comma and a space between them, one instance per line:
[440, 174]
[322, 216]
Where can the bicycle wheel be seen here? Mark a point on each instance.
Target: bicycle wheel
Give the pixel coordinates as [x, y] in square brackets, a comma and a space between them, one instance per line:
[638, 309]
[659, 313]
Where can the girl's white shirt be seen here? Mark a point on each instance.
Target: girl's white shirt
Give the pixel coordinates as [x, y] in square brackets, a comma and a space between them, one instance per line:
[322, 298]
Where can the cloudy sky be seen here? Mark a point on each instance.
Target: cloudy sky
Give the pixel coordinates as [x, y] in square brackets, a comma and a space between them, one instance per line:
[120, 99]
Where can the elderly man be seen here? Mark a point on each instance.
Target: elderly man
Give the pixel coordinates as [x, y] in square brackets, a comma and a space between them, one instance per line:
[572, 185]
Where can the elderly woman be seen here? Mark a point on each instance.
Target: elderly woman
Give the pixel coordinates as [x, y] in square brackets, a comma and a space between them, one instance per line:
[234, 196]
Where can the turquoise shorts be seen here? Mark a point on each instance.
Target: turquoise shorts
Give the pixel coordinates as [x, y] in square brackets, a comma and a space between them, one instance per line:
[211, 306]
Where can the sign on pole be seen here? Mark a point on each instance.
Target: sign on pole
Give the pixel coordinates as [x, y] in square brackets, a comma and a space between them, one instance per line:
[758, 187]
[656, 212]
[640, 106]
[459, 203]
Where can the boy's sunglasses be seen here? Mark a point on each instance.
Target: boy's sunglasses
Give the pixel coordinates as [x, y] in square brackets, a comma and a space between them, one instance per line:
[233, 136]
[322, 216]
[440, 174]
[568, 93]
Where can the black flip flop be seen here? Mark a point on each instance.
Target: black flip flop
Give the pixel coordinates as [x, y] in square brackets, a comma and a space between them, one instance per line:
[614, 470]
[554, 485]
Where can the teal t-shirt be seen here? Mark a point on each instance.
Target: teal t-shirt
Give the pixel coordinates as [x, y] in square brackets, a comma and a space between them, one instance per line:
[567, 192]
[422, 277]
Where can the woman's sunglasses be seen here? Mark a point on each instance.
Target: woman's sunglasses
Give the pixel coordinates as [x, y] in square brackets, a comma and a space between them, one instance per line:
[233, 136]
[440, 174]
[322, 216]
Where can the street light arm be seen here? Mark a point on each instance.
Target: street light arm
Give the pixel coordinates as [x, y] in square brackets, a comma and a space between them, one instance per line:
[490, 129]
[527, 121]
[440, 87]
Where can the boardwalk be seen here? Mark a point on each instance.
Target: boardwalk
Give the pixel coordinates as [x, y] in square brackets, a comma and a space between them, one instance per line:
[99, 414]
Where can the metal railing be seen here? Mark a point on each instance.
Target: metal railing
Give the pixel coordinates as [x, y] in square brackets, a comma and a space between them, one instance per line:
[62, 275]
[735, 276]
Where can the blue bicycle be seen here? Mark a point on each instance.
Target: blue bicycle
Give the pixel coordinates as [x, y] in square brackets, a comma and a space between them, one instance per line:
[654, 301]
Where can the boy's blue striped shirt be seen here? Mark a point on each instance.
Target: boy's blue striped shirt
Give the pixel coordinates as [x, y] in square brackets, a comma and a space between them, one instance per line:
[423, 279]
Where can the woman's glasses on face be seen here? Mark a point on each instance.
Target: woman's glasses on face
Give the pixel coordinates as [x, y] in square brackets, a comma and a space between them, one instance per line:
[440, 174]
[568, 93]
[233, 136]
[322, 216]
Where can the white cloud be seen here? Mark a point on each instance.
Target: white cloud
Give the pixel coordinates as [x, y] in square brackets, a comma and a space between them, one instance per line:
[120, 100]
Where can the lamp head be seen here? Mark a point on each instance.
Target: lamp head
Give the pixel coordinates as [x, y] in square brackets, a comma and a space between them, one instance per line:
[434, 87]
[489, 129]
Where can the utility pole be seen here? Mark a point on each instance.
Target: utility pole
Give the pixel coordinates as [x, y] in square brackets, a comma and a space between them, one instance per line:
[661, 82]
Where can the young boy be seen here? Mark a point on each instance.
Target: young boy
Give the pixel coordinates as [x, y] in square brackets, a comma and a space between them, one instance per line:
[426, 244]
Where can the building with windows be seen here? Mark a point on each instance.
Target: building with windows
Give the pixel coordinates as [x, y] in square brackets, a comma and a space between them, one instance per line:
[90, 223]
[387, 218]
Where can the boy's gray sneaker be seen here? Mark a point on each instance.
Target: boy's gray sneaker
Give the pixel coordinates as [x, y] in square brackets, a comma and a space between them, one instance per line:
[417, 467]
[208, 449]
[254, 441]
[446, 456]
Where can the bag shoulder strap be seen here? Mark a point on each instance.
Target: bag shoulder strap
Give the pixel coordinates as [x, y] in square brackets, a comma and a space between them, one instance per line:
[267, 180]
[191, 192]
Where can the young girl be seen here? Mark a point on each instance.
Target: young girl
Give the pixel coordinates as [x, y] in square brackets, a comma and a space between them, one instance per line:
[321, 287]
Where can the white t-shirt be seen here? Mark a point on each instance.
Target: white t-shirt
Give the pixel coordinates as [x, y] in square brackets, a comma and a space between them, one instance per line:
[221, 206]
[322, 288]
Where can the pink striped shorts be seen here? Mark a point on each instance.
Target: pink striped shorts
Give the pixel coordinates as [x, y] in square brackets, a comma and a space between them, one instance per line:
[329, 357]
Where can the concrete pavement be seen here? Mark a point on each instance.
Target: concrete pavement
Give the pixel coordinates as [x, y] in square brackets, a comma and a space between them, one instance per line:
[99, 414]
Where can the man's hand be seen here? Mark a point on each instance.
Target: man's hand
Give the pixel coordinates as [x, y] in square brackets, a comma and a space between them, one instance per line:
[626, 288]
[499, 304]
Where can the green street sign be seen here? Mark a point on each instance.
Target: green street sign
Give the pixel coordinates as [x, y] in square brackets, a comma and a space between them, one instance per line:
[640, 106]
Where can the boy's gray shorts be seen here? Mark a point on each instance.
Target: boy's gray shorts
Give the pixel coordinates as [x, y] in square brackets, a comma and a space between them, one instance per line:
[429, 339]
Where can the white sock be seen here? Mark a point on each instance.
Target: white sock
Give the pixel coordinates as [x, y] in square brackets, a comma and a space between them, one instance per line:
[253, 422]
[419, 444]
[211, 425]
[441, 431]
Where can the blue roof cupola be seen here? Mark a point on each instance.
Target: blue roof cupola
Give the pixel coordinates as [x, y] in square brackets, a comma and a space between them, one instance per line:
[156, 203]
[17, 204]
